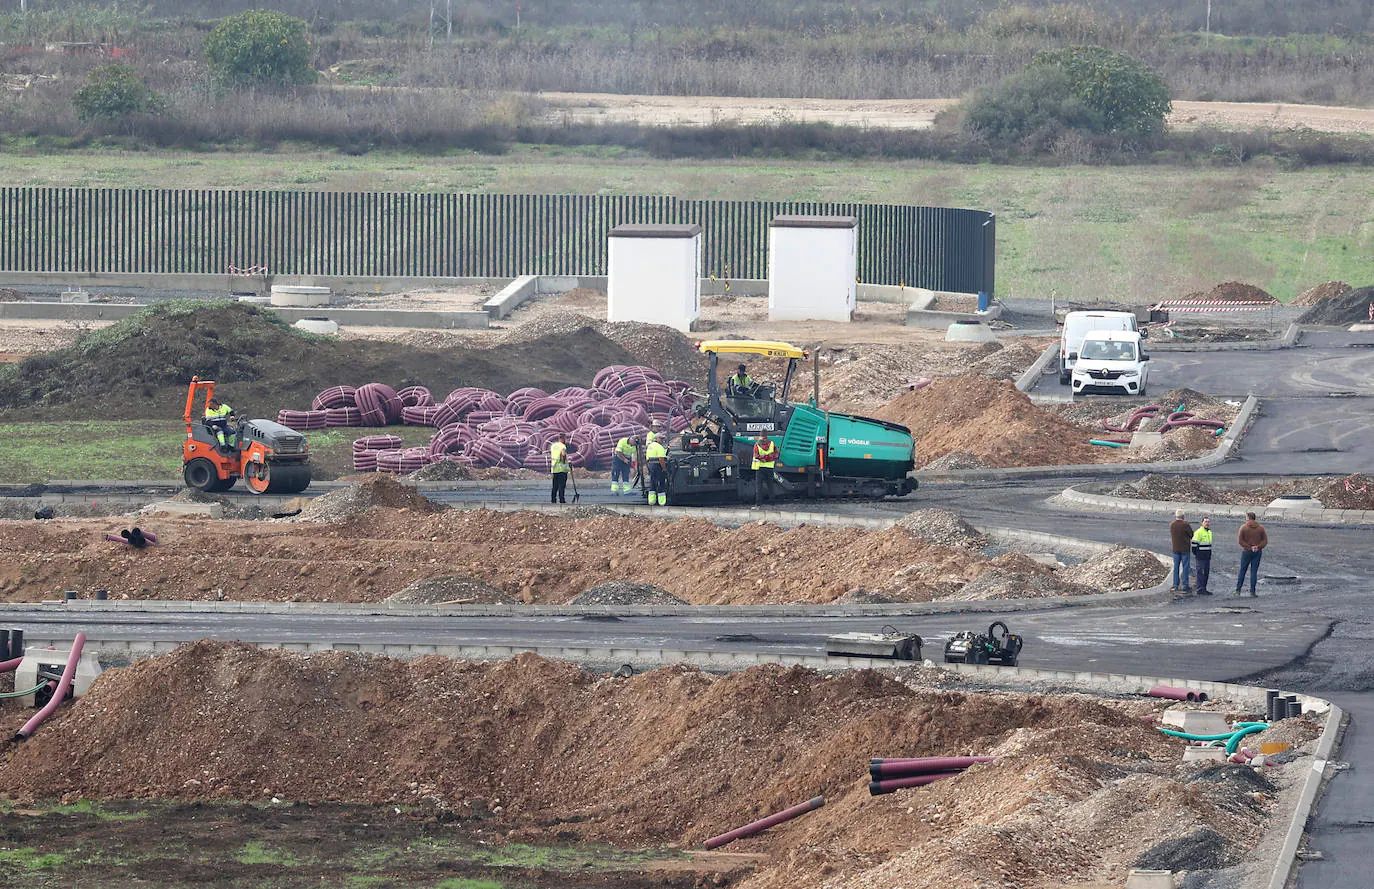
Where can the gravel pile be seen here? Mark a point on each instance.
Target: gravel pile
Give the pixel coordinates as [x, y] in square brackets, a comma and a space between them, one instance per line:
[1021, 578]
[956, 460]
[942, 527]
[664, 348]
[622, 592]
[1119, 568]
[382, 491]
[1169, 487]
[451, 589]
[442, 471]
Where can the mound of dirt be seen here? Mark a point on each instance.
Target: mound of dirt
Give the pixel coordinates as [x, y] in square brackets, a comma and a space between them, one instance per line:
[1322, 292]
[140, 366]
[671, 756]
[621, 592]
[943, 527]
[1177, 489]
[1119, 568]
[1018, 576]
[990, 419]
[1233, 291]
[451, 589]
[1348, 308]
[1352, 492]
[441, 471]
[670, 351]
[379, 491]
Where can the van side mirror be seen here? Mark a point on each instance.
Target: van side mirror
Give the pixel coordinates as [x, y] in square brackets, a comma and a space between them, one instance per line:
[1144, 357]
[1144, 333]
[1073, 356]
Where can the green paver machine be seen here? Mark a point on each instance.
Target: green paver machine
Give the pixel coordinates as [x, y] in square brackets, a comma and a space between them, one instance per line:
[820, 453]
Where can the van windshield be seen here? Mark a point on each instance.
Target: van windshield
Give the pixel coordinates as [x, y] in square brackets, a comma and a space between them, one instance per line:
[1106, 350]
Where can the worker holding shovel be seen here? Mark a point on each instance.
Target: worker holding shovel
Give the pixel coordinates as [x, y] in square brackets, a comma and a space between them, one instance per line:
[558, 469]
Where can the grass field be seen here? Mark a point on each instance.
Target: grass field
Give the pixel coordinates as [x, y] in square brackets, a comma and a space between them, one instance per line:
[146, 449]
[1078, 232]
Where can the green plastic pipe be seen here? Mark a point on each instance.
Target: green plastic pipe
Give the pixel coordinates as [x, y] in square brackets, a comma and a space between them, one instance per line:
[1106, 444]
[1234, 743]
[20, 694]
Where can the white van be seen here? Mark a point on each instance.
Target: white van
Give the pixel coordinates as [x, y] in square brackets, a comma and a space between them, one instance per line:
[1111, 361]
[1076, 325]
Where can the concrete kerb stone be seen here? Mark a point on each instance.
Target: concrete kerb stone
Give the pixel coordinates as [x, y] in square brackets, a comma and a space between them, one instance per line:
[511, 296]
[1220, 455]
[1027, 380]
[1073, 496]
[1313, 783]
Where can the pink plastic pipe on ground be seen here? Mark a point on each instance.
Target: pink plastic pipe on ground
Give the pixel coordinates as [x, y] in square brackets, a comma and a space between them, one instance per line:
[57, 696]
[763, 824]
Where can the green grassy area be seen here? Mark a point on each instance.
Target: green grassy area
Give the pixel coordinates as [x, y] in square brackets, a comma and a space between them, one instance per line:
[146, 449]
[1076, 232]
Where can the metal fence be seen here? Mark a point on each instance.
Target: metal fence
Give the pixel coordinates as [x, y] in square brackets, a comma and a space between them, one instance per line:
[384, 234]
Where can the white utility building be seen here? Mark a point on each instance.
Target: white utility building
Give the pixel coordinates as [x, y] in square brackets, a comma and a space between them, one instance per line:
[812, 265]
[655, 275]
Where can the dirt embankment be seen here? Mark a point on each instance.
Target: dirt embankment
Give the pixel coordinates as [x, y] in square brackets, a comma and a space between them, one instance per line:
[1347, 307]
[373, 553]
[538, 749]
[140, 366]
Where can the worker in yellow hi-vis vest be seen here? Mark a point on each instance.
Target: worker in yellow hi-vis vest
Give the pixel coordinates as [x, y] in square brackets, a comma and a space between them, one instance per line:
[765, 458]
[558, 467]
[656, 458]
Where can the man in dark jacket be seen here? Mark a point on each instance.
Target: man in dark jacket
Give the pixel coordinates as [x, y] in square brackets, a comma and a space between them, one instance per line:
[1181, 541]
[1252, 539]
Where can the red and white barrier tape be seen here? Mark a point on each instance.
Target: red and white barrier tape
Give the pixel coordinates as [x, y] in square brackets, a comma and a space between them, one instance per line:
[251, 270]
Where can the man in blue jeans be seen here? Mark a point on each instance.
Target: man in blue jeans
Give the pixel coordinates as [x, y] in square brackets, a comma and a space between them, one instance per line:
[1181, 541]
[1252, 540]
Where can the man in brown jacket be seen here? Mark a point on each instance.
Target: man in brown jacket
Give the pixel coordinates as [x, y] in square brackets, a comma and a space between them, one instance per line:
[1181, 541]
[1252, 540]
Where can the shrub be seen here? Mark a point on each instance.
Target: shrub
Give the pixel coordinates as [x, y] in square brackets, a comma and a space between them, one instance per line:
[260, 47]
[1037, 106]
[1130, 97]
[114, 92]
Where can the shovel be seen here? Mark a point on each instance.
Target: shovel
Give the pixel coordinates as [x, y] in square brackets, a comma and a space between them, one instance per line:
[572, 476]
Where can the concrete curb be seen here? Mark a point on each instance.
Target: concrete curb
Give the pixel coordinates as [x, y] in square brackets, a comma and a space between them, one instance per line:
[511, 296]
[1075, 497]
[1287, 864]
[1220, 455]
[1027, 380]
[1286, 341]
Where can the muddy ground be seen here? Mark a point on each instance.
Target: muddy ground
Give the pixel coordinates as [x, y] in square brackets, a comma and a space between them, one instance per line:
[138, 844]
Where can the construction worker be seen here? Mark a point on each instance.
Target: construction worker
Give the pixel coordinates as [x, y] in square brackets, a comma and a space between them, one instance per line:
[217, 417]
[656, 456]
[655, 430]
[1202, 555]
[622, 462]
[765, 458]
[558, 468]
[740, 381]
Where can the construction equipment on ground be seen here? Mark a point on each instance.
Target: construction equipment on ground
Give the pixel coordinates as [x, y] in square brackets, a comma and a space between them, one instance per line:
[891, 644]
[269, 457]
[819, 453]
[993, 647]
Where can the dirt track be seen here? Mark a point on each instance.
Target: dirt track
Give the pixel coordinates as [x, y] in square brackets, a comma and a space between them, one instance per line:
[913, 114]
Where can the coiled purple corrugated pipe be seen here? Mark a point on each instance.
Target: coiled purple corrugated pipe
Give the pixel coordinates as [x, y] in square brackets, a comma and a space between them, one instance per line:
[343, 416]
[335, 396]
[415, 396]
[58, 694]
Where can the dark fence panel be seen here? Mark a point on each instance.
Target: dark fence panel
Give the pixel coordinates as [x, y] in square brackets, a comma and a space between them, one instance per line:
[383, 234]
